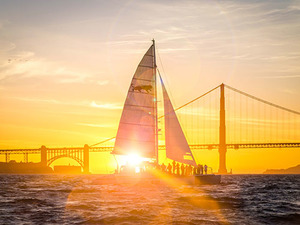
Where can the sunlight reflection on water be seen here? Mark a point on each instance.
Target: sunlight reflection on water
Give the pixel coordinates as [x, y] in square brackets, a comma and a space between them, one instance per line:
[240, 199]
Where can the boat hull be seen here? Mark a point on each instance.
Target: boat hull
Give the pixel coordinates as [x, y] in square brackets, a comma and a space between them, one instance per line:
[208, 179]
[135, 179]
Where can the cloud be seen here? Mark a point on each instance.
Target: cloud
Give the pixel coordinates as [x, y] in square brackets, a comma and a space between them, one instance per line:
[20, 66]
[105, 106]
[53, 101]
[6, 46]
[94, 125]
[282, 77]
[128, 42]
[109, 106]
[103, 82]
[289, 91]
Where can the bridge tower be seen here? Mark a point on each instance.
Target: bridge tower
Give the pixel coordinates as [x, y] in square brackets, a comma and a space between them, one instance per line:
[222, 135]
[44, 155]
[86, 159]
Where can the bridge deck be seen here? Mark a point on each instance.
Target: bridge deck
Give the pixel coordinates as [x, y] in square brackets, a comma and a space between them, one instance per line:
[161, 147]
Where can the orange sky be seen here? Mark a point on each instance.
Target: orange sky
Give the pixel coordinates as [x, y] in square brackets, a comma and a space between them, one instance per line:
[65, 67]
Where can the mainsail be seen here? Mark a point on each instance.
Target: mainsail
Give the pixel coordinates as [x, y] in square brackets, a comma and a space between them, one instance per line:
[177, 147]
[137, 128]
[137, 132]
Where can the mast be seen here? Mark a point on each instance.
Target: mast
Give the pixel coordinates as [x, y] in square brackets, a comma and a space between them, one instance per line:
[155, 103]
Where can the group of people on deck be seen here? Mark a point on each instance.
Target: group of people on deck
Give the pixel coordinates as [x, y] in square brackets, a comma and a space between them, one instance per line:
[183, 170]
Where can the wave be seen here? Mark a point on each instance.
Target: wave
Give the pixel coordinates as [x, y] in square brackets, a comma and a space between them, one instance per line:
[32, 202]
[68, 200]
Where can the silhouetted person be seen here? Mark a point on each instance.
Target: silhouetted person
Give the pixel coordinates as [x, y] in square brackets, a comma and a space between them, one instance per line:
[185, 170]
[157, 167]
[190, 170]
[201, 169]
[194, 171]
[177, 169]
[169, 168]
[182, 169]
[205, 169]
[198, 169]
[163, 167]
[174, 164]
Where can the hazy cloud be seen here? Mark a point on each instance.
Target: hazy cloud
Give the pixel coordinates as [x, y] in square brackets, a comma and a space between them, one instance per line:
[282, 77]
[94, 125]
[105, 106]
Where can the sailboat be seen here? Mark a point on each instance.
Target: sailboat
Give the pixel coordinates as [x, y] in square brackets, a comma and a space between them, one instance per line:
[137, 134]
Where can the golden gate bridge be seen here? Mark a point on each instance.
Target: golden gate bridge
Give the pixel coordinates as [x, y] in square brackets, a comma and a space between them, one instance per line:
[222, 118]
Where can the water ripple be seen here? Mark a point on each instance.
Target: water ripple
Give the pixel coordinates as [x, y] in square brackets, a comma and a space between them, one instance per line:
[243, 199]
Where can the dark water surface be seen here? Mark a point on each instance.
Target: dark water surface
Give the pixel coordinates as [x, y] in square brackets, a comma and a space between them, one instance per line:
[59, 199]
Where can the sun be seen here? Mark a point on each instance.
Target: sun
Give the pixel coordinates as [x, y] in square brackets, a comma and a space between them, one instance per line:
[134, 159]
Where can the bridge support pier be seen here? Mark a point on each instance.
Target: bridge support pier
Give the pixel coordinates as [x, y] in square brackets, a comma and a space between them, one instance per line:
[26, 157]
[222, 136]
[43, 155]
[86, 159]
[7, 157]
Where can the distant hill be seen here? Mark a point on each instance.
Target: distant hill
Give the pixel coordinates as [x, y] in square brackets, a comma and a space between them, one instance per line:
[26, 168]
[291, 170]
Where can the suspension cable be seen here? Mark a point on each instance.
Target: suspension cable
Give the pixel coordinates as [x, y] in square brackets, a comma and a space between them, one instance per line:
[101, 142]
[263, 101]
[229, 87]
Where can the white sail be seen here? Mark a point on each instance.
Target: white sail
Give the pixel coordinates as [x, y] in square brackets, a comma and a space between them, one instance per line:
[137, 128]
[177, 147]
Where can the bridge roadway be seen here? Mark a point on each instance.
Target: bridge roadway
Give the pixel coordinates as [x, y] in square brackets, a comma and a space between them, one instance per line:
[161, 147]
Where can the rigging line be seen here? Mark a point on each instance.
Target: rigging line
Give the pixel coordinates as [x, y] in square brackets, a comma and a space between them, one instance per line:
[162, 66]
[261, 100]
[195, 99]
[166, 77]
